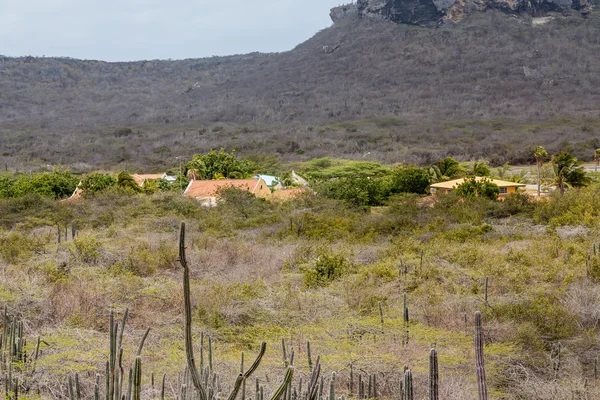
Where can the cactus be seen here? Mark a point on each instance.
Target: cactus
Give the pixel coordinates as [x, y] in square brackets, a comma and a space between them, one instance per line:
[137, 378]
[433, 375]
[479, 362]
[289, 373]
[374, 386]
[351, 382]
[487, 283]
[332, 387]
[189, 349]
[73, 230]
[162, 387]
[380, 312]
[310, 365]
[408, 385]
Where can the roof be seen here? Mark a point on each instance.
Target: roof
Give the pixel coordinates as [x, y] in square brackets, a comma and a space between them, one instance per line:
[210, 188]
[141, 178]
[269, 179]
[452, 184]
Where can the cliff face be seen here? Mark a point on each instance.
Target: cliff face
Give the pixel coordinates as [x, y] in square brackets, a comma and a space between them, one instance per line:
[433, 11]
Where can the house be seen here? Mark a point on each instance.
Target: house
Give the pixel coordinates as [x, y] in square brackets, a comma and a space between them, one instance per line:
[141, 179]
[269, 179]
[288, 194]
[506, 187]
[207, 191]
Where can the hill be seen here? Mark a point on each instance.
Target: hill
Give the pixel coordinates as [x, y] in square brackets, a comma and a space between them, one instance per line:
[492, 76]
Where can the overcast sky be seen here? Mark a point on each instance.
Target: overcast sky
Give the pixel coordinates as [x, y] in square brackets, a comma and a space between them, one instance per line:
[125, 30]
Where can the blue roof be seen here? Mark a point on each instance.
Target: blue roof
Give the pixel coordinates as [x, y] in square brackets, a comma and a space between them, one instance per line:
[269, 180]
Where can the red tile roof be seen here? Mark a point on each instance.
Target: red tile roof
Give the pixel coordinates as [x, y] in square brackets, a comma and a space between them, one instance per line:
[141, 178]
[210, 188]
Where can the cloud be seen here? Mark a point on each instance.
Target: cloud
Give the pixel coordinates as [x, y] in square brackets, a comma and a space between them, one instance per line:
[149, 29]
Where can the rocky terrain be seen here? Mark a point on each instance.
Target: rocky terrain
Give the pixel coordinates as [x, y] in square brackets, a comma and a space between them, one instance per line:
[436, 11]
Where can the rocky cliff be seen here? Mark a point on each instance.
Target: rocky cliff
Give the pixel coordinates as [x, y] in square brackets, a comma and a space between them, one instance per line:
[434, 11]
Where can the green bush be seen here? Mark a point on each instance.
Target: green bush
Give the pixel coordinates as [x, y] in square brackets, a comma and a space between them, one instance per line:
[409, 179]
[326, 268]
[472, 187]
[86, 249]
[97, 182]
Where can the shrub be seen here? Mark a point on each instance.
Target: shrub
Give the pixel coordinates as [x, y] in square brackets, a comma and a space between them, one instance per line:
[409, 179]
[327, 268]
[356, 191]
[86, 249]
[472, 187]
[97, 182]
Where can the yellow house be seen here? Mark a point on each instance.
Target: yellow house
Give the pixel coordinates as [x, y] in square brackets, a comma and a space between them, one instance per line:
[506, 187]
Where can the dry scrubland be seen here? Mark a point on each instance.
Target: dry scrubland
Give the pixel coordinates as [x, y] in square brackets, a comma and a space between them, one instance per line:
[403, 93]
[315, 270]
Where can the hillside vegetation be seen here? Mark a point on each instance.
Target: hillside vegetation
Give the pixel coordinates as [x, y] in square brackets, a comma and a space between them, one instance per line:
[401, 93]
[312, 269]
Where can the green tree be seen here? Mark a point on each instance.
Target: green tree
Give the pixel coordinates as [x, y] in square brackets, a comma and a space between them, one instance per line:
[97, 182]
[356, 191]
[568, 172]
[218, 163]
[126, 181]
[409, 179]
[540, 153]
[447, 169]
[597, 159]
[57, 184]
[473, 187]
[480, 168]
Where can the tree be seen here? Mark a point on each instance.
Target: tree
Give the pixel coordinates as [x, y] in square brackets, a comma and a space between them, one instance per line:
[57, 184]
[218, 163]
[540, 153]
[473, 187]
[447, 169]
[97, 182]
[568, 172]
[126, 181]
[480, 168]
[409, 179]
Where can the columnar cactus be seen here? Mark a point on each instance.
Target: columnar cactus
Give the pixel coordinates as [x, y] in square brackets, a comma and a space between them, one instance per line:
[408, 385]
[479, 362]
[433, 375]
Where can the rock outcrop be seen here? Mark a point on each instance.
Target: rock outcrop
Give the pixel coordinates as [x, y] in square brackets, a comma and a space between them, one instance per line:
[418, 12]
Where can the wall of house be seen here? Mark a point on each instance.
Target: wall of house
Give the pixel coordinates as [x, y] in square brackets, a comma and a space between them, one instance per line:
[262, 190]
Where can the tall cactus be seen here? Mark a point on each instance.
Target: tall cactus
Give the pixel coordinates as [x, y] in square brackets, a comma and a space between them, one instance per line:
[408, 385]
[479, 361]
[433, 375]
[189, 348]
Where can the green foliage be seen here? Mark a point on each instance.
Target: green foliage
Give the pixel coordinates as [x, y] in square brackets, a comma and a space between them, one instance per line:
[15, 246]
[126, 181]
[409, 179]
[480, 168]
[447, 169]
[356, 191]
[217, 165]
[57, 184]
[86, 249]
[580, 207]
[322, 169]
[326, 268]
[473, 187]
[568, 172]
[96, 183]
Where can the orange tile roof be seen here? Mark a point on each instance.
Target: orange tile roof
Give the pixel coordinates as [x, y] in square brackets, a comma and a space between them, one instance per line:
[141, 178]
[210, 188]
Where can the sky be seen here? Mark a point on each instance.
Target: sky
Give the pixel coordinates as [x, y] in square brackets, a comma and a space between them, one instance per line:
[129, 30]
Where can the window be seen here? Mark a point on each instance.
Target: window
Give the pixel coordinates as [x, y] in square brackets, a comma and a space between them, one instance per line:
[503, 190]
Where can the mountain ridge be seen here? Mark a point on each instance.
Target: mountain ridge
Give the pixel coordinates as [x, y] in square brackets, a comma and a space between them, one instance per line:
[490, 67]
